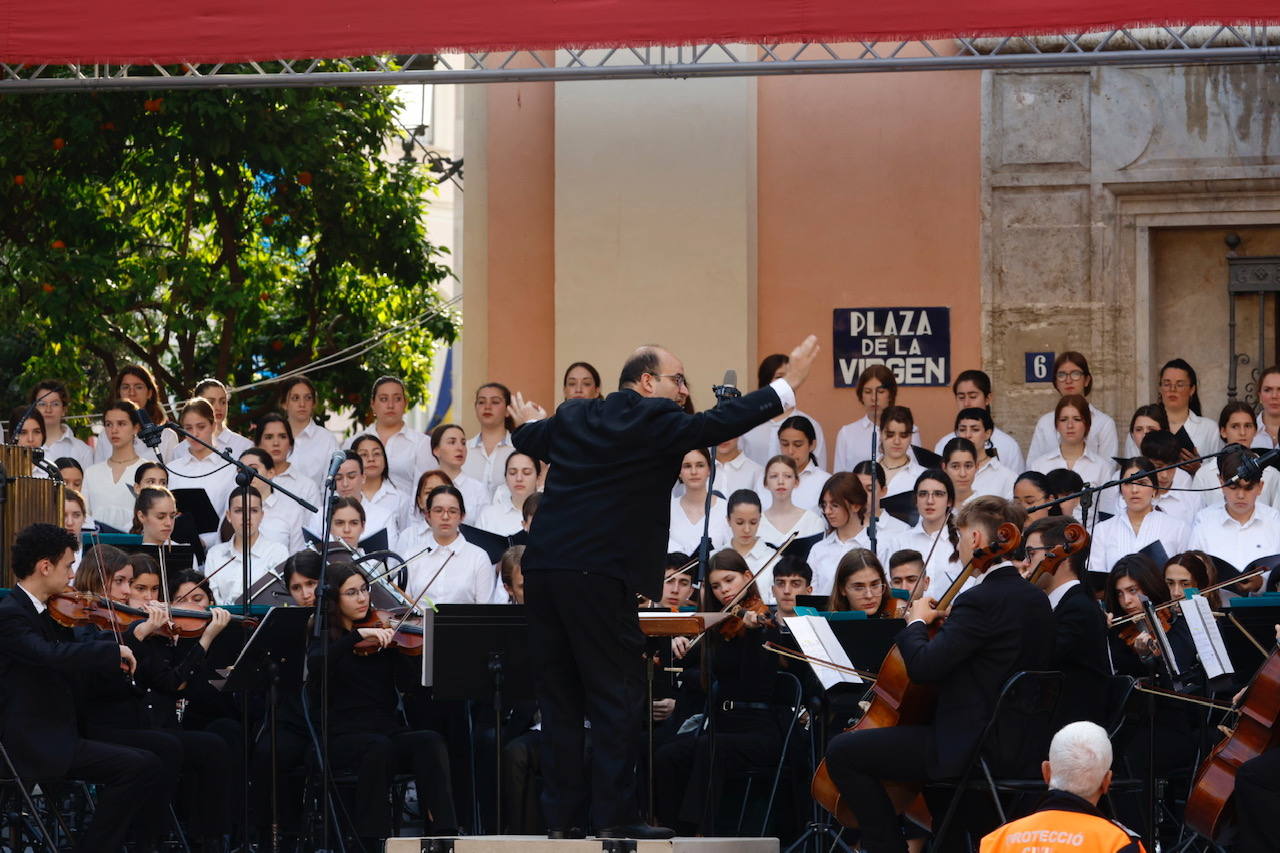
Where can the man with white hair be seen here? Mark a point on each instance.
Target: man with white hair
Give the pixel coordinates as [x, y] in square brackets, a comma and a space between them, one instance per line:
[1078, 773]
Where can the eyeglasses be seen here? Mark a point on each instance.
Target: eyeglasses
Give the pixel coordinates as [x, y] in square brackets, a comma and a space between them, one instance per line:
[1031, 550]
[446, 511]
[356, 592]
[49, 404]
[939, 494]
[1070, 374]
[1180, 385]
[677, 378]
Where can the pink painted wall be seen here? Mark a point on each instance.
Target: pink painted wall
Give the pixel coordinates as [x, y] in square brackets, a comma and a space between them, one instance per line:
[869, 196]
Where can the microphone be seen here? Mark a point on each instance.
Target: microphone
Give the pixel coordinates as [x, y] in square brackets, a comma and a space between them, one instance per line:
[1250, 468]
[728, 389]
[335, 462]
[149, 433]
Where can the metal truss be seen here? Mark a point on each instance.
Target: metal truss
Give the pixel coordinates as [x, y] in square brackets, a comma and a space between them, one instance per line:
[1124, 47]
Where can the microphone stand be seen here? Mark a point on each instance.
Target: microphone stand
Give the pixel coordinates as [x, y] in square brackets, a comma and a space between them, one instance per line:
[17, 428]
[245, 476]
[722, 392]
[875, 492]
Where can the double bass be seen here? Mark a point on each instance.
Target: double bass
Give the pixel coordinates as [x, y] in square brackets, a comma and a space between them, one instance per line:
[897, 700]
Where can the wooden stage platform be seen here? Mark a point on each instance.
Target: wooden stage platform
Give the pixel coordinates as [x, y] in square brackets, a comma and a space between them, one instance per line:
[541, 844]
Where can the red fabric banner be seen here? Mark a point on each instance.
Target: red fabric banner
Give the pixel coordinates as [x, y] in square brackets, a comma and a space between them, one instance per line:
[175, 31]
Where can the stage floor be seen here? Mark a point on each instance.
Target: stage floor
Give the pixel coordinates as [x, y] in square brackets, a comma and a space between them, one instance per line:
[541, 844]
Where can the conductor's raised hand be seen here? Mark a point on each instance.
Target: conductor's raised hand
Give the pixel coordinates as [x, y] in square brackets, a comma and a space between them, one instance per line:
[801, 360]
[522, 411]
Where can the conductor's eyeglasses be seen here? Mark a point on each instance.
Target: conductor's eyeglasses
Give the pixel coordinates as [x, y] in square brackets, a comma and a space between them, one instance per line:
[677, 378]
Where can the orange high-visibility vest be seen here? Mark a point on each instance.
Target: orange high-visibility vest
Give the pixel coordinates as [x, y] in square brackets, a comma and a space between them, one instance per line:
[1056, 831]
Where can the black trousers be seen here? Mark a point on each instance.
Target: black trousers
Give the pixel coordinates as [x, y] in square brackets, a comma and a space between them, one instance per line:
[1258, 804]
[292, 748]
[858, 761]
[375, 758]
[150, 822]
[133, 780]
[587, 646]
[521, 785]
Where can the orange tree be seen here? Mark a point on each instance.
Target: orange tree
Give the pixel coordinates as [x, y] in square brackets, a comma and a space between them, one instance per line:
[226, 233]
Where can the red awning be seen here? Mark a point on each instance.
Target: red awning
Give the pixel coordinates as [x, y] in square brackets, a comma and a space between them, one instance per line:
[174, 31]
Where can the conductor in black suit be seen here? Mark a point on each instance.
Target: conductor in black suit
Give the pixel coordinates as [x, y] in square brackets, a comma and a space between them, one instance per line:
[598, 539]
[40, 664]
[1080, 627]
[995, 629]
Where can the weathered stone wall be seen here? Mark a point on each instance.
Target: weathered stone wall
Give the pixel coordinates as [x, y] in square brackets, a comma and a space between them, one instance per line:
[1078, 168]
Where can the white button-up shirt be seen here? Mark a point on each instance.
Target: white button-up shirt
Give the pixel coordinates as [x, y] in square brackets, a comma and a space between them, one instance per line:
[1217, 533]
[228, 585]
[1202, 431]
[825, 556]
[741, 473]
[1115, 538]
[489, 468]
[995, 479]
[68, 445]
[502, 518]
[1102, 441]
[807, 493]
[854, 443]
[228, 440]
[408, 454]
[110, 501]
[312, 450]
[1006, 446]
[296, 481]
[1207, 479]
[939, 566]
[468, 578]
[903, 479]
[684, 535]
[1177, 502]
[214, 475]
[474, 494]
[168, 443]
[761, 442]
[809, 524]
[282, 522]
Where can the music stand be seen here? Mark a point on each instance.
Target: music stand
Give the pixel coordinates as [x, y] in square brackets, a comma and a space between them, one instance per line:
[479, 652]
[273, 657]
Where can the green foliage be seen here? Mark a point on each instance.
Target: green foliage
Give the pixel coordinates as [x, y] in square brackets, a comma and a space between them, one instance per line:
[225, 233]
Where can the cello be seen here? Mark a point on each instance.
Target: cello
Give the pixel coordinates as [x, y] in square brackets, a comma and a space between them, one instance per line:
[1077, 538]
[897, 700]
[1209, 807]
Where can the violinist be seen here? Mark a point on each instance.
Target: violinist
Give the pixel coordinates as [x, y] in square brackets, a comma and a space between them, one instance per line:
[745, 731]
[999, 627]
[42, 670]
[860, 584]
[1131, 579]
[1080, 628]
[1192, 570]
[368, 734]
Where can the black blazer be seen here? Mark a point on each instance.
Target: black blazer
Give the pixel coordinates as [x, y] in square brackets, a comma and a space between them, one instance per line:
[606, 508]
[40, 667]
[1080, 651]
[999, 627]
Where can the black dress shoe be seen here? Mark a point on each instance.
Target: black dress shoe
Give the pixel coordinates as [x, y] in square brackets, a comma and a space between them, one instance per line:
[572, 833]
[636, 830]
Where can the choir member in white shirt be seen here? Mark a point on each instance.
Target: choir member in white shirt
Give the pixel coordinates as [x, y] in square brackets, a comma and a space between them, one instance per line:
[897, 426]
[1137, 524]
[282, 517]
[885, 524]
[1240, 530]
[274, 434]
[844, 507]
[408, 451]
[688, 510]
[1236, 425]
[1175, 496]
[51, 400]
[200, 468]
[506, 517]
[993, 476]
[1032, 489]
[427, 481]
[150, 475]
[972, 390]
[449, 446]
[1145, 419]
[859, 441]
[346, 524]
[468, 577]
[735, 470]
[798, 439]
[1180, 398]
[781, 475]
[154, 514]
[1269, 403]
[71, 472]
[107, 484]
[223, 438]
[581, 382]
[487, 451]
[744, 516]
[135, 384]
[761, 442]
[349, 483]
[1073, 417]
[934, 535]
[313, 445]
[1071, 377]
[26, 425]
[74, 514]
[378, 490]
[226, 558]
[960, 462]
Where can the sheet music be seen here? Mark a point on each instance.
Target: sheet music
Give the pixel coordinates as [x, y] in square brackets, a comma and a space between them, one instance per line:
[1208, 639]
[814, 636]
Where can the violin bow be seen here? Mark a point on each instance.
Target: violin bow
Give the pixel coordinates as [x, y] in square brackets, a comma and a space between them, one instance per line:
[206, 577]
[801, 656]
[747, 587]
[1125, 620]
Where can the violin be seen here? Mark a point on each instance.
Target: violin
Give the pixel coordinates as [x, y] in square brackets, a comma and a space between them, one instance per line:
[73, 608]
[408, 638]
[897, 700]
[1130, 632]
[1077, 538]
[1209, 807]
[736, 626]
